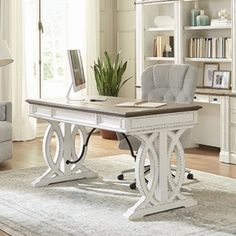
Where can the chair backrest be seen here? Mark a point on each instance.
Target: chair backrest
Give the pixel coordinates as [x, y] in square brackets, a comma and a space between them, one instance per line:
[169, 83]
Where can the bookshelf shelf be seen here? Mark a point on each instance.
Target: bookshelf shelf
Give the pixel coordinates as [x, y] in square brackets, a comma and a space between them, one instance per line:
[159, 29]
[153, 2]
[159, 58]
[190, 28]
[218, 60]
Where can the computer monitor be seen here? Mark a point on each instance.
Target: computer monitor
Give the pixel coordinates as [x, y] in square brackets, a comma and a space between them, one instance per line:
[77, 71]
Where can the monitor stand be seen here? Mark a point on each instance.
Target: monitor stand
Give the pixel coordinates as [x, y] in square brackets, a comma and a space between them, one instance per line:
[68, 99]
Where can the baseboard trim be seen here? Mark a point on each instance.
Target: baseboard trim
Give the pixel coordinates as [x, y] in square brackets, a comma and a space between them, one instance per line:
[227, 157]
[224, 157]
[233, 158]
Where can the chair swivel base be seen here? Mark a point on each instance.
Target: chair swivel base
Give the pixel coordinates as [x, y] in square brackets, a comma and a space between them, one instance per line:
[147, 169]
[120, 177]
[132, 185]
[189, 176]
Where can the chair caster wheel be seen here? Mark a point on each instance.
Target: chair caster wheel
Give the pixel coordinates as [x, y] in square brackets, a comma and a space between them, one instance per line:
[190, 176]
[120, 177]
[132, 186]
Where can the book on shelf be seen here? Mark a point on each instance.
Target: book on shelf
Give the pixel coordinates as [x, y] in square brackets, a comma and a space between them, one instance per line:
[141, 104]
[213, 49]
[172, 45]
[155, 48]
[160, 43]
[210, 47]
[228, 48]
[191, 47]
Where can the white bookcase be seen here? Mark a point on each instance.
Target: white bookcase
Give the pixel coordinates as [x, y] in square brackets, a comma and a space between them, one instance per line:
[146, 31]
[211, 7]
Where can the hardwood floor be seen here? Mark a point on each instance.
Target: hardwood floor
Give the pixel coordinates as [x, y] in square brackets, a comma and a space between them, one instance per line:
[3, 233]
[29, 154]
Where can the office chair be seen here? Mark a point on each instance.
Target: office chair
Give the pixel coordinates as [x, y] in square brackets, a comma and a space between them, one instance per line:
[161, 83]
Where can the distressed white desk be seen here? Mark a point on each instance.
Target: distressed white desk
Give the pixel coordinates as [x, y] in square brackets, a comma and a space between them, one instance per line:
[158, 129]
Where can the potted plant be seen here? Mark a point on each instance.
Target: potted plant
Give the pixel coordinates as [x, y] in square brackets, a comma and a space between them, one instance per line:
[108, 76]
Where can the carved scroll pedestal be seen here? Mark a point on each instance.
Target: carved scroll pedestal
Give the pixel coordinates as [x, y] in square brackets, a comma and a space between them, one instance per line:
[162, 192]
[58, 170]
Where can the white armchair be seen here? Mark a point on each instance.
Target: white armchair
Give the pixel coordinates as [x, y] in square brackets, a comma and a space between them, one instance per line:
[5, 131]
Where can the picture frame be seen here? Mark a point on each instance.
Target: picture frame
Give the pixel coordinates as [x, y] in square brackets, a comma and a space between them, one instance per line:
[208, 74]
[221, 79]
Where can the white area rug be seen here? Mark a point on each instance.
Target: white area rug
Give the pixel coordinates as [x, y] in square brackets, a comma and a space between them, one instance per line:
[96, 206]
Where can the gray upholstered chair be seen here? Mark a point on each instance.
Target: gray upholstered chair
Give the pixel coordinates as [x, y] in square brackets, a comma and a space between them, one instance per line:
[5, 131]
[162, 83]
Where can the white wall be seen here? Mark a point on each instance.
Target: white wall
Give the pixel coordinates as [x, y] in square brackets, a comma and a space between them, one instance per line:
[125, 37]
[107, 27]
[118, 32]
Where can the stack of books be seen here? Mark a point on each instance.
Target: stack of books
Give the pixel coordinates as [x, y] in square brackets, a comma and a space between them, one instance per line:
[159, 46]
[210, 47]
[221, 22]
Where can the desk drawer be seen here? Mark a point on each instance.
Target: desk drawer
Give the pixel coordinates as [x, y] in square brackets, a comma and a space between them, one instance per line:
[43, 111]
[214, 99]
[201, 98]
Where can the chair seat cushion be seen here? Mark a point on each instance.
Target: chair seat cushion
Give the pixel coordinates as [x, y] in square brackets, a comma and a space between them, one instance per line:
[5, 131]
[2, 112]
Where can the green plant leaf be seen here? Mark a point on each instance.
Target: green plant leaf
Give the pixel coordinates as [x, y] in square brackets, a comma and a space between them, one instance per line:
[125, 82]
[108, 75]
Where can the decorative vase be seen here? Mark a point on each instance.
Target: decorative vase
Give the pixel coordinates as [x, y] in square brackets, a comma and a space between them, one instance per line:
[194, 13]
[223, 14]
[202, 19]
[168, 51]
[107, 134]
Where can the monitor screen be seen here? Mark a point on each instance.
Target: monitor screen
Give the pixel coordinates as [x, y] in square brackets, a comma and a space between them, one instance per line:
[76, 67]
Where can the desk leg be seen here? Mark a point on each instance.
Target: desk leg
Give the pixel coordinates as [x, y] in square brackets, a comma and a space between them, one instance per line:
[58, 170]
[162, 192]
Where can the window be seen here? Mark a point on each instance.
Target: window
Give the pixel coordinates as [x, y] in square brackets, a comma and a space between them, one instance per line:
[62, 27]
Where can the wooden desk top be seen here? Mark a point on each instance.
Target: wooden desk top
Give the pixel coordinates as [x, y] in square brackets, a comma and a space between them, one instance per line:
[108, 107]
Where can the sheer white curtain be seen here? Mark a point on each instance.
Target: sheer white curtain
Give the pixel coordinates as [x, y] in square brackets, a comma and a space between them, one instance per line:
[85, 34]
[93, 41]
[18, 79]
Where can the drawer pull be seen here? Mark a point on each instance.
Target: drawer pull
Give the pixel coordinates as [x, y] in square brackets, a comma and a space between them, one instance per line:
[195, 97]
[215, 99]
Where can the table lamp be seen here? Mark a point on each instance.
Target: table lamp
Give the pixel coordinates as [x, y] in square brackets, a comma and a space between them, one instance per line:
[5, 56]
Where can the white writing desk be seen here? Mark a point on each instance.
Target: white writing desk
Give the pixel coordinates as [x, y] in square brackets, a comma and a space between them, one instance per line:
[161, 127]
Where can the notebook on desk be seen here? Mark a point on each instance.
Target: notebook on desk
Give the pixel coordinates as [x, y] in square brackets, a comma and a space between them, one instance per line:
[141, 104]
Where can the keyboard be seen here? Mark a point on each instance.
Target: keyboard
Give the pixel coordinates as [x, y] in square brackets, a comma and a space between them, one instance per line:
[97, 99]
